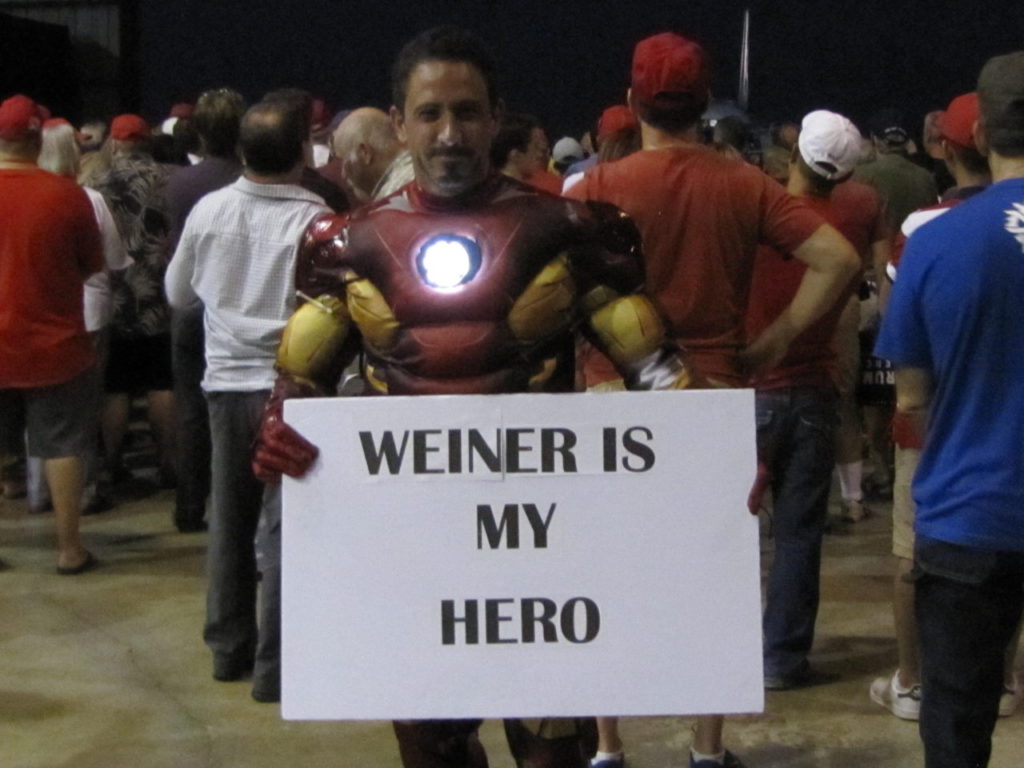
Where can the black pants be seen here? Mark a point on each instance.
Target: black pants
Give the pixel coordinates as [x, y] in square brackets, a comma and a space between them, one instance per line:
[547, 743]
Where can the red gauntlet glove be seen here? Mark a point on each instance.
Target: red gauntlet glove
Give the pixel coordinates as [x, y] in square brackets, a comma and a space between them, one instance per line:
[279, 449]
[761, 482]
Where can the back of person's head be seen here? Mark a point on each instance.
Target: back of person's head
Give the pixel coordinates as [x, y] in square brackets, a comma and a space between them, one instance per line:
[186, 139]
[888, 129]
[566, 152]
[93, 134]
[827, 149]
[272, 137]
[365, 125]
[166, 151]
[784, 134]
[444, 43]
[1001, 102]
[513, 133]
[130, 134]
[670, 81]
[21, 125]
[955, 126]
[775, 163]
[295, 99]
[60, 153]
[613, 120]
[216, 119]
[733, 131]
[619, 144]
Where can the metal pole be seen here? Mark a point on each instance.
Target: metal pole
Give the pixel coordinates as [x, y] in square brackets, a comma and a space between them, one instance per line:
[743, 92]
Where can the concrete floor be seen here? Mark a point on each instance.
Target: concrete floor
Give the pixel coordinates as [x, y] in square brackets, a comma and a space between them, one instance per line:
[108, 669]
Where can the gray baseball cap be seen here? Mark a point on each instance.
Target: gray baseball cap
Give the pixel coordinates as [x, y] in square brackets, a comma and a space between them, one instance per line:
[1001, 94]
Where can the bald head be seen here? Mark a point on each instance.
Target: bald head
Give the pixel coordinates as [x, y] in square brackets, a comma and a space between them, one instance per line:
[272, 138]
[366, 143]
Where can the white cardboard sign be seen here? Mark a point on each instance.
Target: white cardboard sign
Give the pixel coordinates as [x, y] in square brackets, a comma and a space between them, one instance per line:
[522, 556]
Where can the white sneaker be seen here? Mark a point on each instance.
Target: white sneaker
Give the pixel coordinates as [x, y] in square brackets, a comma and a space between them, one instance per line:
[1011, 697]
[853, 511]
[903, 702]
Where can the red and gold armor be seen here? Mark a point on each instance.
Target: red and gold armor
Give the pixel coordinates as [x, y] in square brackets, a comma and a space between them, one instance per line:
[475, 294]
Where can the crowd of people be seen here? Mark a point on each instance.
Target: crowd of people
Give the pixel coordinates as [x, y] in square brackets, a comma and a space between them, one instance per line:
[237, 256]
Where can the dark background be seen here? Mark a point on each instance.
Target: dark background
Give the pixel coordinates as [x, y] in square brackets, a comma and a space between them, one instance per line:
[564, 60]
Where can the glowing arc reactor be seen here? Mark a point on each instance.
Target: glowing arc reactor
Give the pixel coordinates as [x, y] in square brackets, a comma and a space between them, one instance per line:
[446, 262]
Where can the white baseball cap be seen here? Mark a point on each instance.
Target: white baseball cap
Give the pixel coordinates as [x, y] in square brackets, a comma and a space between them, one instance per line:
[829, 143]
[567, 149]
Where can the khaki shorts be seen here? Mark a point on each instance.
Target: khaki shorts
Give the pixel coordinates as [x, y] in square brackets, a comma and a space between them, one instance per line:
[903, 502]
[847, 347]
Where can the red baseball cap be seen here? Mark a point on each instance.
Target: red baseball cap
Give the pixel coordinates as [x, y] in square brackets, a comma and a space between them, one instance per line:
[20, 117]
[614, 119]
[319, 116]
[182, 110]
[129, 128]
[956, 124]
[669, 65]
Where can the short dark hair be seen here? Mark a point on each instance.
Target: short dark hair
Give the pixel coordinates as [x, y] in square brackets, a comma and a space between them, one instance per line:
[819, 185]
[674, 113]
[294, 98]
[444, 43]
[216, 119]
[514, 133]
[1001, 103]
[971, 158]
[271, 137]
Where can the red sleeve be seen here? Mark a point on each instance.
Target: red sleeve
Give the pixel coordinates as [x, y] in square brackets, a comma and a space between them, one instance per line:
[546, 181]
[581, 189]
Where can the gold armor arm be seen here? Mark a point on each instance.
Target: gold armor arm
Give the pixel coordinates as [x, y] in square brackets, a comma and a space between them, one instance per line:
[312, 348]
[631, 332]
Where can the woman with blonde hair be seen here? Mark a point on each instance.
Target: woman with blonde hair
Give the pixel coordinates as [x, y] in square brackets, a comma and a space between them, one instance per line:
[60, 155]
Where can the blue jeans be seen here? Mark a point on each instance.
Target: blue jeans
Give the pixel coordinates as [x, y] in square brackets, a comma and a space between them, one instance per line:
[968, 603]
[796, 440]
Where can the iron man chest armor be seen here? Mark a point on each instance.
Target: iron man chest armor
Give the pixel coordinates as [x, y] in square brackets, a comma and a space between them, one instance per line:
[476, 295]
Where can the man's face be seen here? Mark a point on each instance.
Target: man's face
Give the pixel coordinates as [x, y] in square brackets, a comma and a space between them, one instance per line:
[538, 152]
[448, 125]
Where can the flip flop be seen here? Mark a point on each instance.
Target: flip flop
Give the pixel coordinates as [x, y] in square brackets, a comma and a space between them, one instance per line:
[88, 564]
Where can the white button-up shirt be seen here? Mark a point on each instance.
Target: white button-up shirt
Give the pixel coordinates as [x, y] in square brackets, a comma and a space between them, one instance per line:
[237, 256]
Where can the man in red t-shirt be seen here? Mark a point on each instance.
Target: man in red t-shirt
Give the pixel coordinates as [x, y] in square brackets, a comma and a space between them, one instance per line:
[701, 217]
[49, 245]
[797, 402]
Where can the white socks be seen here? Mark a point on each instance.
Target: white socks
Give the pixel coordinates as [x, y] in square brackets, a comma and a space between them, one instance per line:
[698, 756]
[850, 476]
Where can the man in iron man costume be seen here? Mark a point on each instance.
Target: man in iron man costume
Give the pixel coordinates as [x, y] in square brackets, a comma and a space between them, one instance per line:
[463, 282]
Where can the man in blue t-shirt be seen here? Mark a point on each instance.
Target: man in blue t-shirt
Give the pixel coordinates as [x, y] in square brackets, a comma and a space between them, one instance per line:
[954, 332]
